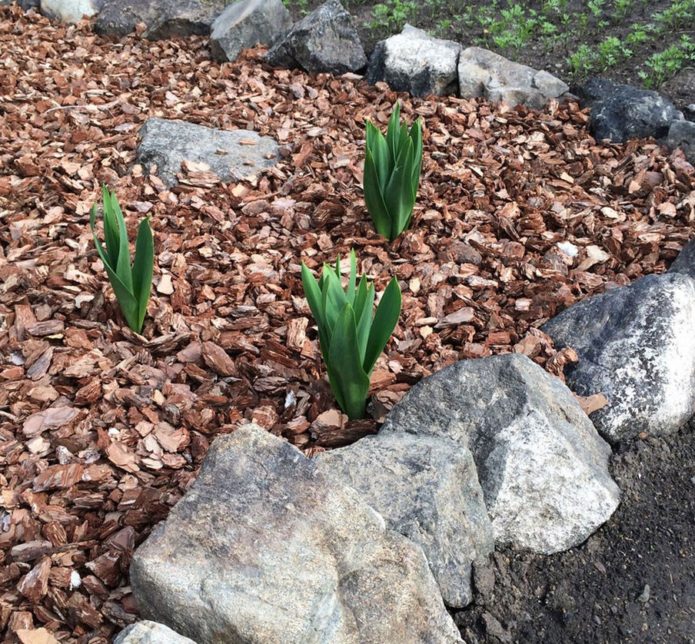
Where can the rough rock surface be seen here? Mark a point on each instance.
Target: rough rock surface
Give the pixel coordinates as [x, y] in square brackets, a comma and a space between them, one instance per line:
[264, 548]
[637, 347]
[427, 489]
[681, 134]
[681, 88]
[685, 262]
[415, 62]
[146, 632]
[621, 112]
[325, 40]
[70, 11]
[542, 466]
[483, 73]
[231, 154]
[248, 23]
[163, 18]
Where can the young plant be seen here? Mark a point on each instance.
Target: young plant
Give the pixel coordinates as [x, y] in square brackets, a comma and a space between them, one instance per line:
[131, 283]
[392, 174]
[351, 336]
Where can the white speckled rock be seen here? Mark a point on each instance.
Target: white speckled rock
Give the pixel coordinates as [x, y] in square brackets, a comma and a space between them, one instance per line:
[415, 62]
[636, 345]
[483, 73]
[427, 489]
[231, 154]
[70, 11]
[264, 549]
[146, 632]
[248, 23]
[542, 466]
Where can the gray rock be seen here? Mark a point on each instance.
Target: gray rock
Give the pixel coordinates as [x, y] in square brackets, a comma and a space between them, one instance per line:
[542, 466]
[263, 548]
[248, 23]
[231, 154]
[636, 346]
[427, 489]
[70, 11]
[681, 88]
[621, 112]
[483, 73]
[415, 62]
[162, 18]
[150, 633]
[323, 41]
[26, 5]
[681, 134]
[685, 262]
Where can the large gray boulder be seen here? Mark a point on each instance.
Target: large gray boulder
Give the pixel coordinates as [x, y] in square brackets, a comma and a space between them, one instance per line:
[232, 155]
[681, 134]
[162, 18]
[483, 73]
[248, 23]
[323, 41]
[636, 346]
[427, 489]
[415, 62]
[70, 11]
[621, 112]
[264, 548]
[685, 262]
[147, 632]
[542, 466]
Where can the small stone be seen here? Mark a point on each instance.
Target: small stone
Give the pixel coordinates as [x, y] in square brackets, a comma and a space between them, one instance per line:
[644, 596]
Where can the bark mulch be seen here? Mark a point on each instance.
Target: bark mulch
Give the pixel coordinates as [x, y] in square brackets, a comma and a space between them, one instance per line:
[102, 430]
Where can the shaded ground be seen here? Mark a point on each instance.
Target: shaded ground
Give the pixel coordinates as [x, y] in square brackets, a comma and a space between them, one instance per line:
[101, 431]
[632, 581]
[642, 42]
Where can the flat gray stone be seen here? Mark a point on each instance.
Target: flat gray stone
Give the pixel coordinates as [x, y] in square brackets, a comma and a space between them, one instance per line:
[325, 40]
[415, 62]
[248, 23]
[232, 155]
[542, 466]
[264, 548]
[483, 73]
[637, 347]
[427, 489]
[162, 18]
[681, 134]
[146, 632]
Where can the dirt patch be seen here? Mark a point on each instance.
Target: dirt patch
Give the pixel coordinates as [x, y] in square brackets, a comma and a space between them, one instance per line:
[632, 581]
